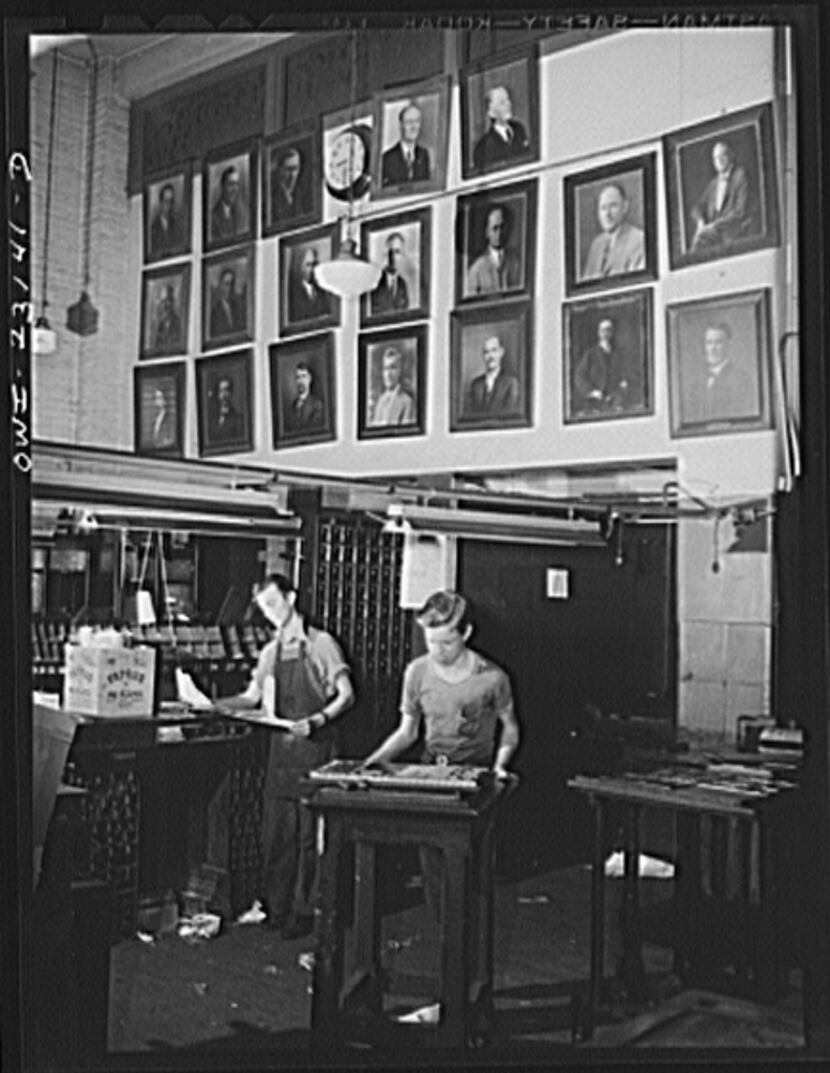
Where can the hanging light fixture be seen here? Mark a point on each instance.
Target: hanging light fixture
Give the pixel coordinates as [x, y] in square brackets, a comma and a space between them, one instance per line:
[349, 275]
[44, 337]
[82, 317]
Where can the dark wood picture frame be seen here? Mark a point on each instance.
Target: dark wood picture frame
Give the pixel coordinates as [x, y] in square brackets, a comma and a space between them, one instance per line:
[510, 404]
[228, 284]
[168, 197]
[747, 220]
[720, 364]
[299, 312]
[511, 212]
[315, 420]
[291, 159]
[517, 73]
[392, 174]
[238, 224]
[608, 348]
[165, 311]
[611, 226]
[406, 240]
[401, 413]
[158, 422]
[234, 432]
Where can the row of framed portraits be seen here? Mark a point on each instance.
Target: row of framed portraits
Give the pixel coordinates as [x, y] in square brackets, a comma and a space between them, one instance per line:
[719, 363]
[610, 242]
[720, 180]
[394, 144]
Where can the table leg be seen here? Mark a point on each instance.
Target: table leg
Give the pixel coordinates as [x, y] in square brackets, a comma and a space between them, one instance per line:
[328, 964]
[480, 998]
[632, 970]
[454, 947]
[597, 920]
[362, 989]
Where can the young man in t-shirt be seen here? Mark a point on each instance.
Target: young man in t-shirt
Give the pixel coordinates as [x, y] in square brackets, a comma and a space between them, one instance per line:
[465, 702]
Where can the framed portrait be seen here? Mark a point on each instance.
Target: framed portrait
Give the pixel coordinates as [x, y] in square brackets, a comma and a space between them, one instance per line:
[719, 364]
[495, 233]
[158, 419]
[167, 202]
[229, 196]
[412, 129]
[392, 382]
[165, 301]
[721, 188]
[401, 244]
[291, 194]
[302, 390]
[491, 382]
[304, 305]
[608, 350]
[228, 298]
[499, 112]
[224, 395]
[348, 152]
[611, 226]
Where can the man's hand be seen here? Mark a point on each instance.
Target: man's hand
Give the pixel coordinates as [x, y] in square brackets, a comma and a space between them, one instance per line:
[374, 765]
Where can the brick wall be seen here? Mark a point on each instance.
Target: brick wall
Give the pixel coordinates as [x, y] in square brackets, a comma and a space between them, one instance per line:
[82, 393]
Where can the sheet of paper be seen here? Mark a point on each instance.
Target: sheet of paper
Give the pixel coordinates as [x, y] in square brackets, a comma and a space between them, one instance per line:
[257, 715]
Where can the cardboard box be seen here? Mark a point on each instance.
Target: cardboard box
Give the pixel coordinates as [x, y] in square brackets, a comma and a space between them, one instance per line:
[114, 682]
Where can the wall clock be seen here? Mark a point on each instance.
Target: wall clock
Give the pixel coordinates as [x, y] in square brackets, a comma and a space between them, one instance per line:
[347, 164]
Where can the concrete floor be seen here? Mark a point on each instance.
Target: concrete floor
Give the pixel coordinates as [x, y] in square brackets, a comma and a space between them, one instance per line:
[246, 991]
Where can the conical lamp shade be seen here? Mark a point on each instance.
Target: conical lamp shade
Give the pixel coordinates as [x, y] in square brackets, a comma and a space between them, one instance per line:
[348, 275]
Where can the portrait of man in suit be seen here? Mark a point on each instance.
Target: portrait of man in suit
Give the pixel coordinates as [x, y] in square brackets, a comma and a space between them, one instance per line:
[395, 405]
[225, 422]
[495, 391]
[724, 211]
[228, 306]
[306, 298]
[305, 411]
[167, 235]
[167, 326]
[498, 267]
[162, 421]
[392, 292]
[288, 194]
[605, 378]
[724, 388]
[407, 161]
[229, 214]
[619, 247]
[505, 137]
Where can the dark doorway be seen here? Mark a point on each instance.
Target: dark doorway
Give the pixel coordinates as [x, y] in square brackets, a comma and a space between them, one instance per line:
[609, 646]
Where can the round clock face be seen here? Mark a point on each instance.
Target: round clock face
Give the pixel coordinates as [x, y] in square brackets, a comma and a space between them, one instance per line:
[347, 165]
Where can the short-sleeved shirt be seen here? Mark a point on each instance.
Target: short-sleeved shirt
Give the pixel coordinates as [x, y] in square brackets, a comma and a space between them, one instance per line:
[460, 718]
[321, 650]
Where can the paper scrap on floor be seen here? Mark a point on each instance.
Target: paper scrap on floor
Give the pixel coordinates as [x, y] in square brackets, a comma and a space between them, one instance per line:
[424, 1015]
[255, 915]
[647, 867]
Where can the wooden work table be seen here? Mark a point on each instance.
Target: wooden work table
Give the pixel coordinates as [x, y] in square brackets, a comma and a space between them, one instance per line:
[735, 852]
[347, 1000]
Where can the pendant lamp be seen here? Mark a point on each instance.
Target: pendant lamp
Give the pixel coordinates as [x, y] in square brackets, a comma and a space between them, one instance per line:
[44, 337]
[82, 317]
[349, 275]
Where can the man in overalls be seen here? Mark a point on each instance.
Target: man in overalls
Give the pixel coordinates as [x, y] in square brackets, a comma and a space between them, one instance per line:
[300, 676]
